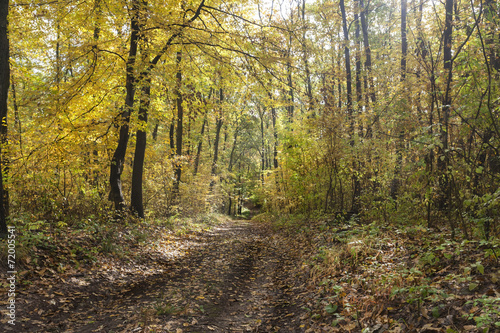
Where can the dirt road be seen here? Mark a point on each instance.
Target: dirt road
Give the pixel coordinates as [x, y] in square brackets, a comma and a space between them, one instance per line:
[233, 278]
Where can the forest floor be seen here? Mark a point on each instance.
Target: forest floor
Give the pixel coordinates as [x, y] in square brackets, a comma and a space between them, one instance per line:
[254, 276]
[227, 279]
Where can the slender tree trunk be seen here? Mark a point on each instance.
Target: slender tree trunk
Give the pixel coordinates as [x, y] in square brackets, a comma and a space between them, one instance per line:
[218, 126]
[154, 135]
[262, 143]
[180, 116]
[291, 99]
[358, 165]
[17, 119]
[200, 144]
[305, 53]
[231, 156]
[275, 135]
[396, 181]
[359, 92]
[443, 160]
[370, 91]
[347, 59]
[171, 136]
[136, 201]
[118, 160]
[4, 92]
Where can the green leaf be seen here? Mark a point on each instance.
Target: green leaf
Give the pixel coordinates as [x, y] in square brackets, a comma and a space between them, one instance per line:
[331, 308]
[473, 286]
[480, 268]
[435, 312]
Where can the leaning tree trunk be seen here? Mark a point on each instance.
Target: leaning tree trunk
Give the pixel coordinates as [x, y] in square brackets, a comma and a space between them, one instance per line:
[118, 160]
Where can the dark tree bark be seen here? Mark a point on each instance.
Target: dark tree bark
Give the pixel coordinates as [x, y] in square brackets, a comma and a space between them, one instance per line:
[355, 180]
[443, 160]
[261, 112]
[180, 117]
[200, 142]
[275, 135]
[4, 91]
[359, 101]
[291, 99]
[154, 135]
[347, 60]
[200, 145]
[404, 40]
[171, 136]
[118, 160]
[218, 126]
[136, 202]
[359, 92]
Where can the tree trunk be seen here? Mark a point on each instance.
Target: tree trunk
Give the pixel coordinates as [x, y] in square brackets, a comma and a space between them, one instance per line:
[231, 156]
[356, 189]
[218, 126]
[443, 160]
[261, 112]
[118, 160]
[275, 135]
[291, 100]
[305, 54]
[370, 91]
[136, 202]
[359, 92]
[347, 60]
[396, 181]
[200, 144]
[180, 116]
[4, 92]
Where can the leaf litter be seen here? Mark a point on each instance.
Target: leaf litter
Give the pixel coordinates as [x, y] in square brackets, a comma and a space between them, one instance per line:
[251, 276]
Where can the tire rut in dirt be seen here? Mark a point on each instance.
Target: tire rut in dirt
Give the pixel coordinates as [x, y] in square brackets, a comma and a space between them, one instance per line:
[254, 297]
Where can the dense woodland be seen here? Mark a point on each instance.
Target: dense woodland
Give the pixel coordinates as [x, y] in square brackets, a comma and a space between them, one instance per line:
[372, 112]
[382, 109]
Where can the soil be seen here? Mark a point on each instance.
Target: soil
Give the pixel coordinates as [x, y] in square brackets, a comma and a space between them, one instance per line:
[234, 278]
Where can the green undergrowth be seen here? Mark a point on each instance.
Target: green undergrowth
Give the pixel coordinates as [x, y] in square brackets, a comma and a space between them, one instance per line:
[364, 277]
[52, 248]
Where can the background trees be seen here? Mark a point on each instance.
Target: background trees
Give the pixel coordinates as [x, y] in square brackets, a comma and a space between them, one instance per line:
[383, 109]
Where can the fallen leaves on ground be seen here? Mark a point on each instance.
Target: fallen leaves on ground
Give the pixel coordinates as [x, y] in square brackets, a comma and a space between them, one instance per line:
[238, 276]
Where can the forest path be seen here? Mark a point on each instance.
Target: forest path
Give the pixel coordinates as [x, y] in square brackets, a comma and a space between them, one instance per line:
[234, 278]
